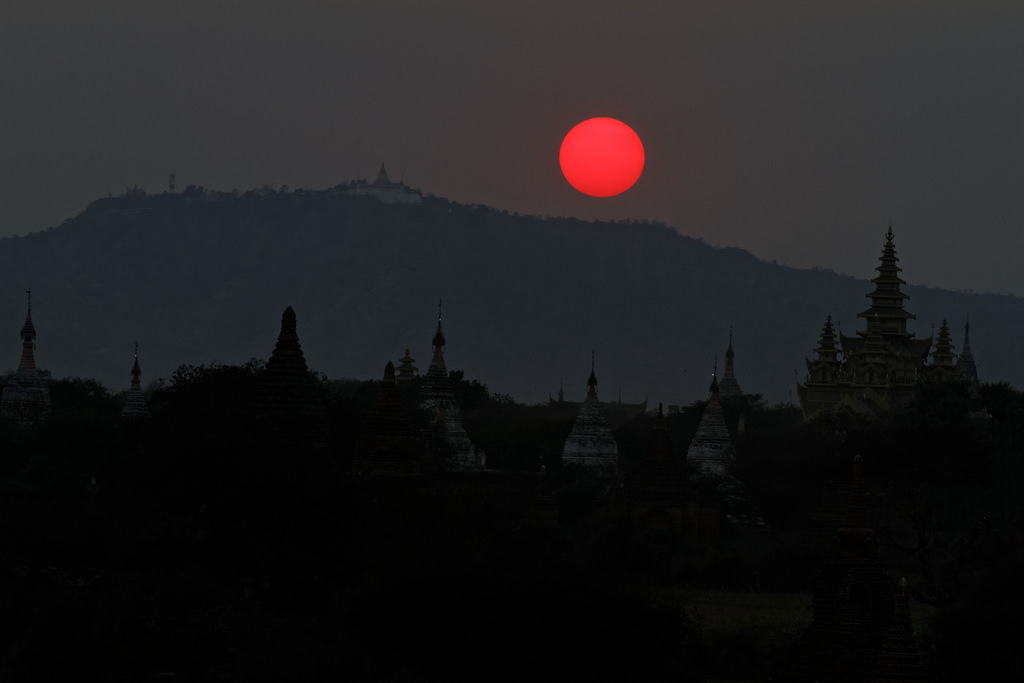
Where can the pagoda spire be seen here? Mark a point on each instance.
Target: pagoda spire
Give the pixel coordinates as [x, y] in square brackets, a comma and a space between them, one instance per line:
[729, 386]
[26, 398]
[439, 335]
[886, 314]
[135, 402]
[592, 380]
[968, 369]
[437, 365]
[28, 339]
[136, 371]
[713, 389]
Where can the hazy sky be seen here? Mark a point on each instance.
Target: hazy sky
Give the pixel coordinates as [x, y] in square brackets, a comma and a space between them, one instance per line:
[796, 130]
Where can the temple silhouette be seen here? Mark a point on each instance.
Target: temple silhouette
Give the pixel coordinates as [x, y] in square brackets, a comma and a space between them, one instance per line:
[26, 397]
[879, 369]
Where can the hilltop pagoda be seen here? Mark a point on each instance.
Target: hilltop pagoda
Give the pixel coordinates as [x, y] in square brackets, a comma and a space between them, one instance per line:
[26, 398]
[386, 191]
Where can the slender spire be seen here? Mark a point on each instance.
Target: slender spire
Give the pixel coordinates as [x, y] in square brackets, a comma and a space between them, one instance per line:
[136, 372]
[592, 380]
[135, 402]
[438, 336]
[729, 386]
[28, 339]
[966, 364]
[713, 389]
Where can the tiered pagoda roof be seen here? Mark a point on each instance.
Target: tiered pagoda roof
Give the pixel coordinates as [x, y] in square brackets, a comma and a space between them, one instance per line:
[406, 368]
[886, 313]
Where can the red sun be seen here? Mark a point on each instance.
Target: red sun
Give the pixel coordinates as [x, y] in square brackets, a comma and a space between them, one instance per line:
[601, 157]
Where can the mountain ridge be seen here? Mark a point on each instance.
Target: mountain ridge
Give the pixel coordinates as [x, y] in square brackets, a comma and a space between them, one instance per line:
[202, 276]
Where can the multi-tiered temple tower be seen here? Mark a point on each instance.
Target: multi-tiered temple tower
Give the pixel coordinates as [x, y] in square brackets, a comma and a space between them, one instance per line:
[878, 369]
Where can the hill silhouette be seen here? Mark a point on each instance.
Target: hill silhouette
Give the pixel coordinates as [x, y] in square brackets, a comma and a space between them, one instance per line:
[202, 276]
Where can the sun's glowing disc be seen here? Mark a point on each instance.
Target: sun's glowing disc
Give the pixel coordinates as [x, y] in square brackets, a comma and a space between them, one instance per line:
[601, 157]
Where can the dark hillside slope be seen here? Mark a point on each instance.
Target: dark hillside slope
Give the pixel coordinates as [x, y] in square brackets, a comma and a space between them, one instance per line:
[201, 276]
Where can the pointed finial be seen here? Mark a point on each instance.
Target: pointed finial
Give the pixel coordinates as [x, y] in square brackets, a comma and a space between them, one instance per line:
[29, 292]
[438, 310]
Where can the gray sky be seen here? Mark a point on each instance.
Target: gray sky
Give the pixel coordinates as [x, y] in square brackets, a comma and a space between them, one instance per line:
[796, 130]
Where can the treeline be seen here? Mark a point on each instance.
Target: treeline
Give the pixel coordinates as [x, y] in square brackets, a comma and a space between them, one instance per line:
[194, 522]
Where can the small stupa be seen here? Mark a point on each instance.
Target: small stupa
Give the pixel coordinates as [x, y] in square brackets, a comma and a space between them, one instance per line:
[711, 448]
[590, 443]
[438, 397]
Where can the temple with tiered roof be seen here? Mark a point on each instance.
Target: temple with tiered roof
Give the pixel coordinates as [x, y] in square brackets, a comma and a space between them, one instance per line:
[878, 369]
[26, 398]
